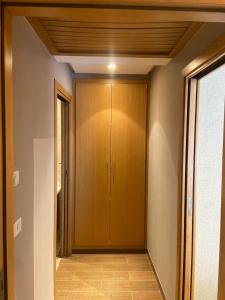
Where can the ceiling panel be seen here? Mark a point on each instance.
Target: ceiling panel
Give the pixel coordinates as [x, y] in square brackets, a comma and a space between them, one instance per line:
[84, 36]
[124, 65]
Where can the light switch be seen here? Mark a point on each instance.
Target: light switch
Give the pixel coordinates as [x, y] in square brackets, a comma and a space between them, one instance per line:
[16, 178]
[17, 227]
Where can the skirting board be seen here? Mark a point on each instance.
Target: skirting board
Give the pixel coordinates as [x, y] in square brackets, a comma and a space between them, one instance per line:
[156, 275]
[107, 251]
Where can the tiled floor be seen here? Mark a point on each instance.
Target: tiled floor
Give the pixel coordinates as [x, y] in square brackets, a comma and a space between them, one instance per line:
[106, 277]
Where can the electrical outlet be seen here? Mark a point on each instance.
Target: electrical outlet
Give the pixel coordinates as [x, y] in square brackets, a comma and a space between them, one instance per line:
[17, 227]
[16, 178]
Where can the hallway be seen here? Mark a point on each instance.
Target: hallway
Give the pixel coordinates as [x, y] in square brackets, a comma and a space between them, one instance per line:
[106, 277]
[101, 151]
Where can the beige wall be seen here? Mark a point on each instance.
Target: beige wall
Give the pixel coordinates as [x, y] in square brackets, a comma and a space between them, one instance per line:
[165, 111]
[34, 71]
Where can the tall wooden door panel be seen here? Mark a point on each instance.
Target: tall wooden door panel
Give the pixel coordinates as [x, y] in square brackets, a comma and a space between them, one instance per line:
[128, 151]
[93, 119]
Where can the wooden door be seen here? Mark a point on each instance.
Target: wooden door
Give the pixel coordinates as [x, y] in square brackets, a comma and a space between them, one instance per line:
[93, 119]
[128, 151]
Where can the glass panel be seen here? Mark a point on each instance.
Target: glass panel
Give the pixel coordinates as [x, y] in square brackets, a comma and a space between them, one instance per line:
[208, 185]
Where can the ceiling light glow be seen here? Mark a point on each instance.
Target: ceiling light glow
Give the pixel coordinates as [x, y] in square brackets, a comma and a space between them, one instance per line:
[112, 66]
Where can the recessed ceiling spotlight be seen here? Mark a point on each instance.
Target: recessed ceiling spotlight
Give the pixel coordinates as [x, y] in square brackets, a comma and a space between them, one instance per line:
[112, 66]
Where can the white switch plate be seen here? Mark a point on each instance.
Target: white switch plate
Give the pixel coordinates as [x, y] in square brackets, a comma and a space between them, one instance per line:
[17, 227]
[16, 178]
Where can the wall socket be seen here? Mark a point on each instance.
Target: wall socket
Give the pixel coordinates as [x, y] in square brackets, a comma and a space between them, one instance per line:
[17, 227]
[16, 178]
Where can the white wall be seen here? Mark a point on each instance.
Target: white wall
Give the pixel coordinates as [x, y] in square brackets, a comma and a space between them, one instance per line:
[208, 180]
[165, 136]
[34, 71]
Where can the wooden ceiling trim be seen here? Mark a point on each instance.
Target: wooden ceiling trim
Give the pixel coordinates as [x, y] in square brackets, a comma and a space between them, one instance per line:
[121, 41]
[70, 35]
[115, 40]
[185, 38]
[118, 14]
[99, 52]
[114, 31]
[115, 45]
[200, 4]
[48, 22]
[114, 35]
[113, 52]
[116, 48]
[163, 38]
[119, 53]
[43, 35]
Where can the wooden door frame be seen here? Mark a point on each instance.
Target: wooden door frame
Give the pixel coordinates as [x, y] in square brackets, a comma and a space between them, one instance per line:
[2, 239]
[206, 62]
[200, 13]
[59, 90]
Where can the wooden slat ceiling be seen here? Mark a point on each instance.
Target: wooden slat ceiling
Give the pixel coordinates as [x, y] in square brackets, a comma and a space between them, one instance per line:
[64, 36]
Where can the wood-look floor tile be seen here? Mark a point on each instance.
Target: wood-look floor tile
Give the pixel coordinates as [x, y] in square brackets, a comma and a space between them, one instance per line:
[149, 295]
[106, 277]
[126, 267]
[142, 275]
[80, 267]
[61, 298]
[90, 258]
[78, 285]
[100, 296]
[137, 259]
[115, 275]
[131, 285]
[117, 294]
[61, 295]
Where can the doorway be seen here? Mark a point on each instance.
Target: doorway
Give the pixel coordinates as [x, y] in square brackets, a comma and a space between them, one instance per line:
[208, 184]
[203, 238]
[62, 175]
